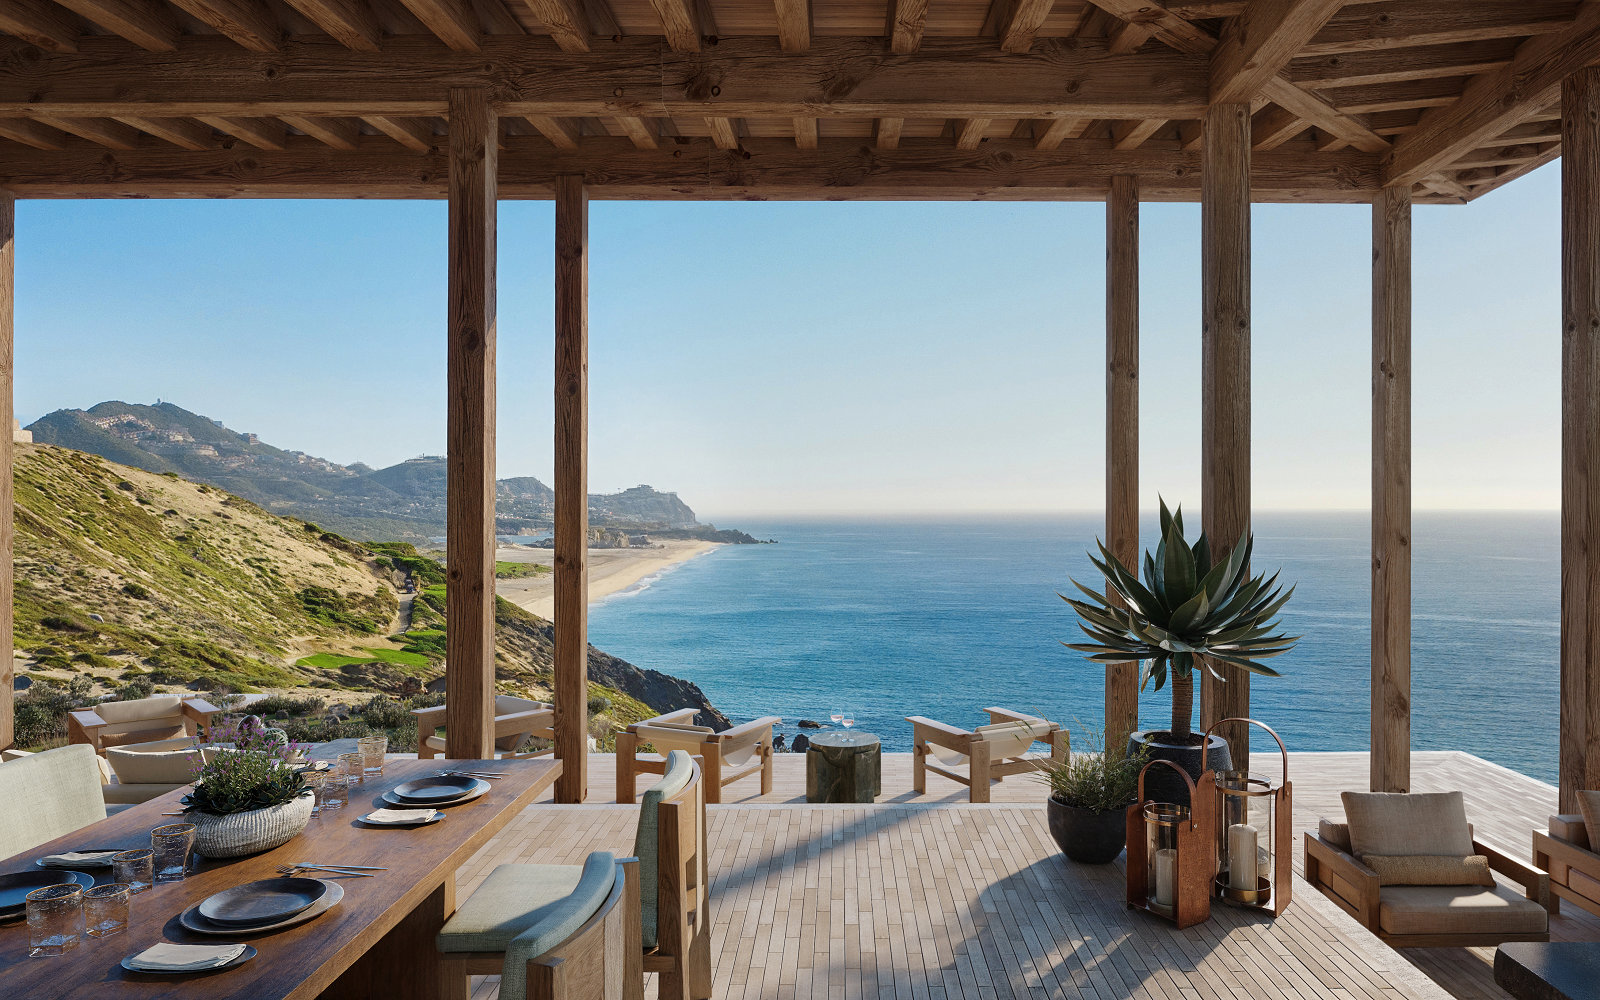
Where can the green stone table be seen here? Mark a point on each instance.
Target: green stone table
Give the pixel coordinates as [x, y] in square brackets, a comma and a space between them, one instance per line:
[844, 767]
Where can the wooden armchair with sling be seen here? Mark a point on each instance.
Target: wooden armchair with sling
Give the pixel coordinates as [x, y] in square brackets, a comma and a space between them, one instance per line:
[991, 752]
[726, 756]
[515, 720]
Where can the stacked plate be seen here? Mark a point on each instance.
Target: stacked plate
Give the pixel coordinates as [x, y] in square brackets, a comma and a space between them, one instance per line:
[14, 888]
[267, 905]
[444, 790]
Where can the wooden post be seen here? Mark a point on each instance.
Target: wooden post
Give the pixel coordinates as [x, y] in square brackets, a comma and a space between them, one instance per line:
[1391, 490]
[8, 264]
[1580, 435]
[1122, 423]
[1225, 378]
[469, 600]
[572, 489]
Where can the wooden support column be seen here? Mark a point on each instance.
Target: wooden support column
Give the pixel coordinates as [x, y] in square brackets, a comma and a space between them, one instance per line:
[1122, 422]
[1391, 490]
[469, 600]
[572, 488]
[8, 266]
[1225, 377]
[1580, 435]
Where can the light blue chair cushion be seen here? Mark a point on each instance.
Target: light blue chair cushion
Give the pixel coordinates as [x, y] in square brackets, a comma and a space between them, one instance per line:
[646, 843]
[48, 795]
[525, 910]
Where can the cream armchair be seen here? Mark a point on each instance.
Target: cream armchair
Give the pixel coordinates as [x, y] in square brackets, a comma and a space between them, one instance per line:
[515, 720]
[727, 755]
[48, 795]
[118, 723]
[990, 752]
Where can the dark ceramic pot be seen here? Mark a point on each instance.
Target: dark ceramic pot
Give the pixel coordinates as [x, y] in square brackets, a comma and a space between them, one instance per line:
[1086, 836]
[1162, 784]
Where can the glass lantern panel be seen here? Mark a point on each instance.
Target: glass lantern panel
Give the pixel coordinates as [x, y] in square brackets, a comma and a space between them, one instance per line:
[1161, 853]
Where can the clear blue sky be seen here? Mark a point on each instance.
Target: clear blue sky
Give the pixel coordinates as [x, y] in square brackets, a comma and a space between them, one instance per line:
[808, 357]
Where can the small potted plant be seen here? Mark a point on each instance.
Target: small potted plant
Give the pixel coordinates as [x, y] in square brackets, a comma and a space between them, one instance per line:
[247, 799]
[1090, 792]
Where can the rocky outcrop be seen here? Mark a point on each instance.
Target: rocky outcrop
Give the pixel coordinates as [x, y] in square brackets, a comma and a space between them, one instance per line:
[660, 691]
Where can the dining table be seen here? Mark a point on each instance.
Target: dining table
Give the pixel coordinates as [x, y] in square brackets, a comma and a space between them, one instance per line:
[378, 942]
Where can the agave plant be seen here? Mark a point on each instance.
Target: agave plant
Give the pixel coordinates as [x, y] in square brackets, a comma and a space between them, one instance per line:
[1188, 613]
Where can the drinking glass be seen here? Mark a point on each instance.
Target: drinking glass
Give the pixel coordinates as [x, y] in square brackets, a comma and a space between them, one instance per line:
[105, 909]
[372, 750]
[352, 766]
[849, 719]
[172, 845]
[332, 794]
[314, 781]
[135, 869]
[55, 919]
[836, 715]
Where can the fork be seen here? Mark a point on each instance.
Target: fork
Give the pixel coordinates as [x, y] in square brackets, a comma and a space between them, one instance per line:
[473, 774]
[297, 869]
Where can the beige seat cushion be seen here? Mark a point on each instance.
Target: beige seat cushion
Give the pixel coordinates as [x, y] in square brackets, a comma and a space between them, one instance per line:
[512, 899]
[1589, 806]
[48, 795]
[160, 713]
[1337, 834]
[1011, 739]
[157, 767]
[1395, 823]
[120, 794]
[1569, 827]
[1458, 909]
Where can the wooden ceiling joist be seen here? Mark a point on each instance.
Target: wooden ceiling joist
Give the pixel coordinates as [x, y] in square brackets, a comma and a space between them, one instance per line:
[723, 133]
[566, 20]
[1129, 36]
[249, 22]
[794, 24]
[262, 133]
[641, 131]
[350, 22]
[562, 132]
[340, 133]
[1132, 135]
[805, 133]
[107, 132]
[886, 132]
[1016, 22]
[454, 22]
[1363, 27]
[41, 23]
[969, 132]
[1395, 65]
[906, 20]
[32, 133]
[1274, 126]
[148, 24]
[680, 23]
[181, 132]
[412, 133]
[1409, 94]
[1058, 132]
[1258, 44]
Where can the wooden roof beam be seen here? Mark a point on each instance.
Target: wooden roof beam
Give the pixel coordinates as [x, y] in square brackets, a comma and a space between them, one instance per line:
[886, 132]
[680, 23]
[340, 133]
[1257, 45]
[32, 133]
[641, 131]
[107, 132]
[454, 22]
[1128, 36]
[1274, 126]
[794, 25]
[412, 133]
[262, 133]
[1410, 23]
[1353, 69]
[148, 24]
[1132, 134]
[969, 132]
[562, 132]
[350, 22]
[805, 133]
[1408, 94]
[41, 23]
[723, 133]
[1493, 102]
[1059, 131]
[566, 20]
[1016, 22]
[904, 25]
[181, 132]
[249, 22]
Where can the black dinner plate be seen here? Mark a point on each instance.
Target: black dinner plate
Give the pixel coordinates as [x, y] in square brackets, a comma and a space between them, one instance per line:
[432, 791]
[15, 886]
[268, 901]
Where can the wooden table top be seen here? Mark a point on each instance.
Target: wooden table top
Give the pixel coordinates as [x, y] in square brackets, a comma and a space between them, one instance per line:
[298, 961]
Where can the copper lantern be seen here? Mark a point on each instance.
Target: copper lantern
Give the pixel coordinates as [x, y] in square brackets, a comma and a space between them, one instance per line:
[1251, 835]
[1172, 853]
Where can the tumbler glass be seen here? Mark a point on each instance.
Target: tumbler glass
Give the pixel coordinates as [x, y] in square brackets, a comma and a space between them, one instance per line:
[353, 766]
[172, 845]
[333, 791]
[105, 909]
[55, 919]
[314, 781]
[135, 869]
[372, 750]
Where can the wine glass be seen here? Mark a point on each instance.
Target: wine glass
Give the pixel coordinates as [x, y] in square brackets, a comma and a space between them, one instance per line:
[836, 715]
[849, 719]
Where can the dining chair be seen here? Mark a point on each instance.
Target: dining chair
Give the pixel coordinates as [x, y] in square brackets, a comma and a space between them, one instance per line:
[47, 795]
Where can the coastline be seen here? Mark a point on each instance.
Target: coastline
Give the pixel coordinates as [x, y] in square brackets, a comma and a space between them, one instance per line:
[610, 571]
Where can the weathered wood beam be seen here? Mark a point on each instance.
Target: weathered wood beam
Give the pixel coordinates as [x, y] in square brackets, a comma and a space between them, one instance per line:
[1274, 126]
[107, 132]
[146, 23]
[31, 133]
[412, 133]
[495, 18]
[1122, 425]
[739, 78]
[1495, 101]
[794, 25]
[969, 132]
[1390, 761]
[181, 132]
[1133, 134]
[1410, 23]
[680, 24]
[566, 20]
[602, 21]
[1020, 21]
[641, 131]
[562, 132]
[249, 22]
[1352, 69]
[571, 654]
[839, 169]
[886, 132]
[904, 25]
[263, 133]
[1058, 131]
[1407, 96]
[349, 22]
[41, 23]
[340, 133]
[805, 133]
[1258, 44]
[8, 305]
[1129, 36]
[470, 346]
[723, 133]
[453, 21]
[1320, 112]
[1225, 379]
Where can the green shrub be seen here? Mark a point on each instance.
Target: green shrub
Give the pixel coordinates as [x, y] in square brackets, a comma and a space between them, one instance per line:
[96, 660]
[355, 612]
[39, 714]
[136, 592]
[62, 623]
[273, 704]
[136, 688]
[599, 704]
[383, 712]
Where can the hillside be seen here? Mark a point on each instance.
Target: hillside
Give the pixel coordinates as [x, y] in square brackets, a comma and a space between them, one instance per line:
[124, 575]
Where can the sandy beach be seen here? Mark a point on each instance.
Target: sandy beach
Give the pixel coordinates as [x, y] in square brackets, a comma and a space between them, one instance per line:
[610, 570]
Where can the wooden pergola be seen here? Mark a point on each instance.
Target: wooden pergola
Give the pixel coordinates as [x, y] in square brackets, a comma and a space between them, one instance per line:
[1390, 103]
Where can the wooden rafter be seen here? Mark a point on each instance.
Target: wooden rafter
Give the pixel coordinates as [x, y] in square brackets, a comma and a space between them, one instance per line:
[566, 20]
[350, 22]
[1258, 44]
[602, 21]
[181, 132]
[107, 132]
[1408, 94]
[1058, 132]
[794, 24]
[1129, 36]
[249, 22]
[1016, 22]
[340, 133]
[32, 133]
[453, 21]
[1410, 23]
[641, 131]
[904, 25]
[1132, 134]
[262, 133]
[723, 133]
[41, 23]
[969, 132]
[886, 132]
[562, 132]
[805, 133]
[148, 24]
[1273, 127]
[1352, 69]
[1492, 102]
[680, 24]
[412, 133]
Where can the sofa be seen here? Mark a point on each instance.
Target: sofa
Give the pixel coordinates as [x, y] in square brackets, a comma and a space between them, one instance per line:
[1566, 852]
[145, 720]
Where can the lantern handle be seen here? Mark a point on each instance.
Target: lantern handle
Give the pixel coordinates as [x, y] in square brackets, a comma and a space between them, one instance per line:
[1181, 773]
[1206, 747]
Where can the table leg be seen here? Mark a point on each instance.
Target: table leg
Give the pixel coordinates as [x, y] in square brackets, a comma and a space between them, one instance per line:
[404, 963]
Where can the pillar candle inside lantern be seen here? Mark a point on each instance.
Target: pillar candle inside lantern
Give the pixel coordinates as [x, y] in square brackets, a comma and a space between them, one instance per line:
[1166, 876]
[1242, 863]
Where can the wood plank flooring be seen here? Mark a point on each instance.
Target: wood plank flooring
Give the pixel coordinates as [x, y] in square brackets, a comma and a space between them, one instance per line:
[931, 898]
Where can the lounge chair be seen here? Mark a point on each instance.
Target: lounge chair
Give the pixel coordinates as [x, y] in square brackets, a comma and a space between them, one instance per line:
[1409, 830]
[48, 795]
[118, 723]
[671, 932]
[515, 720]
[991, 752]
[146, 770]
[725, 755]
[1566, 852]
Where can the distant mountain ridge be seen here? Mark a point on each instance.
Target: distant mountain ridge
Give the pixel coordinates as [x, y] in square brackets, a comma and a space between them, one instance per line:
[403, 501]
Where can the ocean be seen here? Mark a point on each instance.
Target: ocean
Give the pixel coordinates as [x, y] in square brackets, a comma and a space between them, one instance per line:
[942, 616]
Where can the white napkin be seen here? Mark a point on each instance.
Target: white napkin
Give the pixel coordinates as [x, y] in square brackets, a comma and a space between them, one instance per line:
[169, 957]
[400, 815]
[76, 858]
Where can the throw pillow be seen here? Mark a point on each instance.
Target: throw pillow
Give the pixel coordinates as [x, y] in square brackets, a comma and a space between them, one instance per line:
[1392, 824]
[1426, 869]
[1589, 805]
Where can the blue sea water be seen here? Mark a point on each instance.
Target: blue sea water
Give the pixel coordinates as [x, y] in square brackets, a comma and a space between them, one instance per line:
[943, 616]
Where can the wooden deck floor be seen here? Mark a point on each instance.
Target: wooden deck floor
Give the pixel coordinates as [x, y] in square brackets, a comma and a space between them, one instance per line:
[930, 898]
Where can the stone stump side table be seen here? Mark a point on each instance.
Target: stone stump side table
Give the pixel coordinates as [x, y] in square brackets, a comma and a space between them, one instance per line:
[843, 767]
